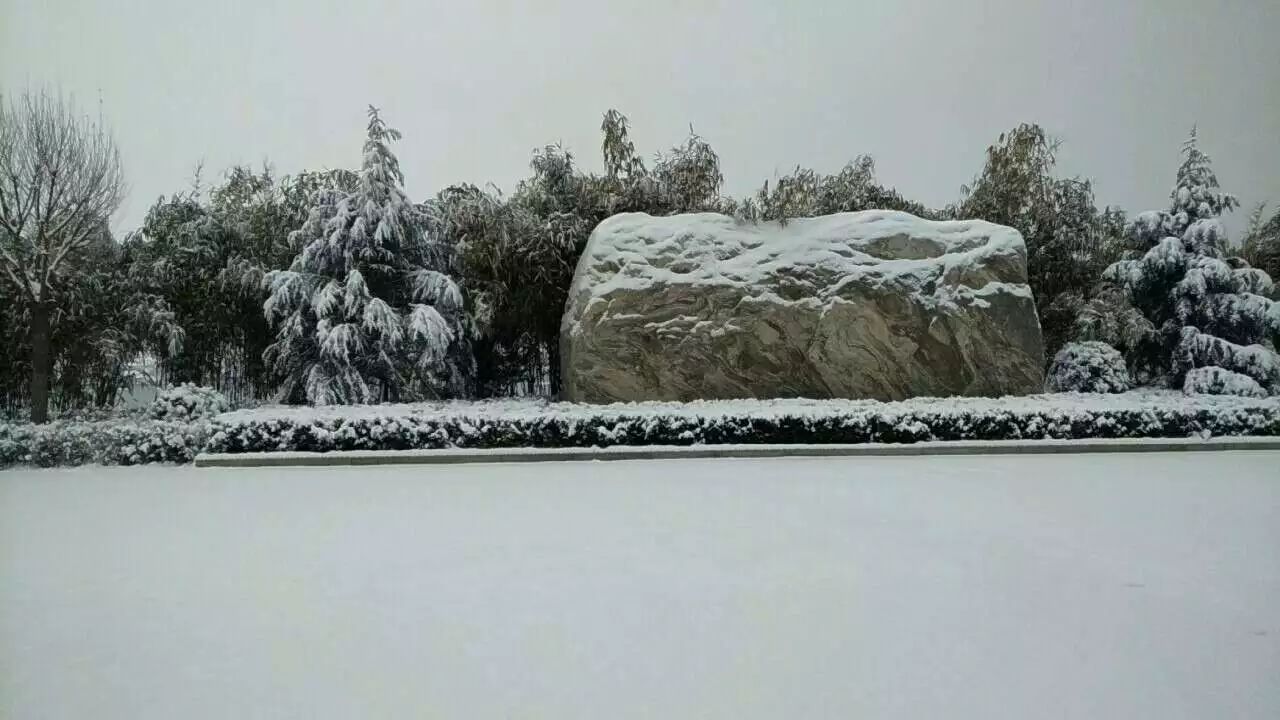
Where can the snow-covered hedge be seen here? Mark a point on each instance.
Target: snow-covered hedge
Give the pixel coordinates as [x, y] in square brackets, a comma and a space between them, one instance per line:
[1092, 367]
[507, 424]
[111, 442]
[188, 401]
[1216, 381]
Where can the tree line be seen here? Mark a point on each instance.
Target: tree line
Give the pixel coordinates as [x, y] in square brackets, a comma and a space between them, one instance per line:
[333, 286]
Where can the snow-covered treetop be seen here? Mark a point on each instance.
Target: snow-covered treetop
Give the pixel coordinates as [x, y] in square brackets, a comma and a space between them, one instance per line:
[373, 227]
[1197, 194]
[380, 170]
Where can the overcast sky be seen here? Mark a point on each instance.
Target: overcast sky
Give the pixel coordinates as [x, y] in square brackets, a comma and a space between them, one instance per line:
[922, 85]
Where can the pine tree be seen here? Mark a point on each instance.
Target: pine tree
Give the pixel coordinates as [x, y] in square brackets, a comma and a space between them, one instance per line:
[367, 311]
[1207, 310]
[1196, 194]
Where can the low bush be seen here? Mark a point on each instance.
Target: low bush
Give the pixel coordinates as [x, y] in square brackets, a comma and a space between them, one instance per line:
[1092, 367]
[65, 443]
[1217, 381]
[188, 402]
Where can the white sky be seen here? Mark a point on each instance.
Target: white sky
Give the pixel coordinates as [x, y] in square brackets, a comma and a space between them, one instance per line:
[922, 85]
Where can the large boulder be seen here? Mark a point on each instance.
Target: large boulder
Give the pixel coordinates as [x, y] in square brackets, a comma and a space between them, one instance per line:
[874, 304]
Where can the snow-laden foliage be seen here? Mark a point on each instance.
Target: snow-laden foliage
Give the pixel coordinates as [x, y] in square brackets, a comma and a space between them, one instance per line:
[102, 323]
[188, 402]
[1108, 317]
[1261, 246]
[113, 442]
[1205, 309]
[1198, 350]
[1196, 194]
[690, 175]
[367, 311]
[510, 424]
[533, 424]
[1092, 367]
[807, 193]
[1216, 381]
[205, 253]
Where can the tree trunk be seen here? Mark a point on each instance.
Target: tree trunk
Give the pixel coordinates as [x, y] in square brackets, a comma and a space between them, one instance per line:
[553, 369]
[40, 362]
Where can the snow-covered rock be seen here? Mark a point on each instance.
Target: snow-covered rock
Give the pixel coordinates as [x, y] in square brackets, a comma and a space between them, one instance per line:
[875, 304]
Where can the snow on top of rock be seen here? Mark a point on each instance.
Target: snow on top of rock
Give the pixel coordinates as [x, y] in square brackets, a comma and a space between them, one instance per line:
[633, 251]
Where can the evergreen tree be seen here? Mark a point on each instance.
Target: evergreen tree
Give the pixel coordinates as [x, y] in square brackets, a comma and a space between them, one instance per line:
[1207, 310]
[367, 311]
[1196, 194]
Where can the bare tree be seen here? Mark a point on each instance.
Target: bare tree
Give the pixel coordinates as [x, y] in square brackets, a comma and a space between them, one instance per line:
[60, 179]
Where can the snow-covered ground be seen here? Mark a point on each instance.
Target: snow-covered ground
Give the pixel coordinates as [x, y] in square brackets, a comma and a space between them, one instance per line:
[1117, 586]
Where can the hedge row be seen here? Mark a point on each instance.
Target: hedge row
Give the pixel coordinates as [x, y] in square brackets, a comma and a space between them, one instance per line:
[550, 426]
[409, 432]
[107, 442]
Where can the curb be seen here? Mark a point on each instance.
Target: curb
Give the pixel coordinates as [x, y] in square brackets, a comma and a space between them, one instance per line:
[690, 452]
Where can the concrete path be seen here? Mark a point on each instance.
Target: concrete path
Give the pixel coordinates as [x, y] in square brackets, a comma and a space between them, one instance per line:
[665, 452]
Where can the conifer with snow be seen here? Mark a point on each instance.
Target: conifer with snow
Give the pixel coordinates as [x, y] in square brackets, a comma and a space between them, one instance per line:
[1208, 310]
[367, 312]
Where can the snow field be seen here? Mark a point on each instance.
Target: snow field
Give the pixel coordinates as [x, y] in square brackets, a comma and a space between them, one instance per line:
[1117, 586]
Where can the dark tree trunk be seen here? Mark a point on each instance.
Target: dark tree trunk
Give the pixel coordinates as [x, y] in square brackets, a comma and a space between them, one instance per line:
[553, 369]
[40, 363]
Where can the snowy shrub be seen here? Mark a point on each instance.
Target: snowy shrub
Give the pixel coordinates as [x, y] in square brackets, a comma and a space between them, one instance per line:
[1199, 350]
[64, 443]
[1216, 381]
[1092, 367]
[188, 402]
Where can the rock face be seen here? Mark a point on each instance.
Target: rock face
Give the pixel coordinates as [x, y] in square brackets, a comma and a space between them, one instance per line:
[875, 304]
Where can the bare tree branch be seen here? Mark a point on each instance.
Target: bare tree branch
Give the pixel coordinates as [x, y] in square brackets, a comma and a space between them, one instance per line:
[60, 179]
